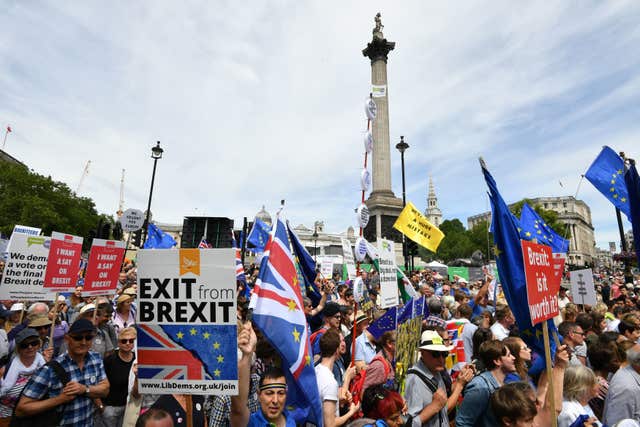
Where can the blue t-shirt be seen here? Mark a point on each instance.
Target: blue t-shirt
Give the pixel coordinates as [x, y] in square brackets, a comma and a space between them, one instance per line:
[257, 419]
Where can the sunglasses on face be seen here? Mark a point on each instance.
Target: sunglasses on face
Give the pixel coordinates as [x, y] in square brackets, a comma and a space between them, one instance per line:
[437, 354]
[79, 338]
[127, 341]
[25, 345]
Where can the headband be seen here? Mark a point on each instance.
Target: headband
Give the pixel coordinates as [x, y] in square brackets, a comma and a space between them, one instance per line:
[272, 386]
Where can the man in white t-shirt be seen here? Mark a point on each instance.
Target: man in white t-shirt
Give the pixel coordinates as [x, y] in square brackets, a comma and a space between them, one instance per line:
[503, 324]
[327, 384]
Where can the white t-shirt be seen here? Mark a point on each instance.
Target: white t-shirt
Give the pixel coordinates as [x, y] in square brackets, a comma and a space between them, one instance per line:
[499, 331]
[327, 385]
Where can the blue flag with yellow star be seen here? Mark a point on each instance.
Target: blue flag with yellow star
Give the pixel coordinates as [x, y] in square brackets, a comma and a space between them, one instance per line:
[258, 236]
[511, 268]
[306, 266]
[606, 173]
[532, 226]
[633, 186]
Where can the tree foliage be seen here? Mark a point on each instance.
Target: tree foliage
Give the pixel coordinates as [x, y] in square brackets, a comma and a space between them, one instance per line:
[31, 199]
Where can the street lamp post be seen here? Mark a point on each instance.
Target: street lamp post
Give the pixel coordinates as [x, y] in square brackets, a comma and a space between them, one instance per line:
[156, 154]
[315, 242]
[402, 146]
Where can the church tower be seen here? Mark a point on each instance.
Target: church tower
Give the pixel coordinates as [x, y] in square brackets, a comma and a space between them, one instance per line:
[433, 212]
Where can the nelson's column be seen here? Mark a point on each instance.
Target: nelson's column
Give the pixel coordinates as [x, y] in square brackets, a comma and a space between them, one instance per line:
[383, 205]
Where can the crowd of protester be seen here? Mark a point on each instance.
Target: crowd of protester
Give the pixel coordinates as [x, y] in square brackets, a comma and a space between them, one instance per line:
[72, 362]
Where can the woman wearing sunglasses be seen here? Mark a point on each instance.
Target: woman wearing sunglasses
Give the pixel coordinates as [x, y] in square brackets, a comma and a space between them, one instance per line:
[117, 366]
[16, 374]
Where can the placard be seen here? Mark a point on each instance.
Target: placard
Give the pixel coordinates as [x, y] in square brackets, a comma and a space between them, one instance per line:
[63, 264]
[347, 254]
[361, 249]
[362, 215]
[542, 294]
[103, 269]
[24, 271]
[582, 289]
[132, 220]
[388, 275]
[326, 266]
[187, 333]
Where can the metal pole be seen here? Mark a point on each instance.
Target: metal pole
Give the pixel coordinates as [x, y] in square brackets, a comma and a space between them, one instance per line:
[146, 221]
[6, 132]
[243, 244]
[623, 245]
[404, 203]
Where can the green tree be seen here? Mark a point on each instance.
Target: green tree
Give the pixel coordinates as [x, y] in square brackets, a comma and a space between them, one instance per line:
[456, 242]
[28, 198]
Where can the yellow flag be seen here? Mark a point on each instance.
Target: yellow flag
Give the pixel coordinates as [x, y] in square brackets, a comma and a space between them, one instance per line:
[415, 226]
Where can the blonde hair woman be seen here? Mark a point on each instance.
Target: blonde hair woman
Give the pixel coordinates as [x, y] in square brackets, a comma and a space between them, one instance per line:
[579, 387]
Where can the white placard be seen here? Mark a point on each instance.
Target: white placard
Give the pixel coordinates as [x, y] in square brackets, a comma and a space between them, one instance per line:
[362, 215]
[361, 248]
[378, 91]
[22, 229]
[132, 220]
[326, 266]
[358, 289]
[388, 276]
[370, 109]
[365, 180]
[186, 321]
[582, 288]
[368, 141]
[347, 253]
[23, 277]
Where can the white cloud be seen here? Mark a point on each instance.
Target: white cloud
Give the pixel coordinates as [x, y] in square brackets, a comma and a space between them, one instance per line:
[255, 103]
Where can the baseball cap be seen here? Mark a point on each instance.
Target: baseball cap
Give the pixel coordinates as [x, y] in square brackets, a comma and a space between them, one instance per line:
[331, 309]
[81, 325]
[26, 333]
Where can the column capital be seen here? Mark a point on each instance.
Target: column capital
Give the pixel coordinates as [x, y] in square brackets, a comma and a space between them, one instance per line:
[378, 49]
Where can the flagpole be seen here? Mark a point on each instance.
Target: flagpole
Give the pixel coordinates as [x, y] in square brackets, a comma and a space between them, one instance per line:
[6, 133]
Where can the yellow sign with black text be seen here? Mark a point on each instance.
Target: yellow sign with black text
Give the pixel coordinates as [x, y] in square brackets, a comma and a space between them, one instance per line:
[416, 227]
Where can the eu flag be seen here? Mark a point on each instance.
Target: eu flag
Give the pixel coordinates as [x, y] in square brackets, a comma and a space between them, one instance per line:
[633, 186]
[511, 267]
[606, 173]
[306, 265]
[158, 239]
[258, 236]
[385, 323]
[532, 226]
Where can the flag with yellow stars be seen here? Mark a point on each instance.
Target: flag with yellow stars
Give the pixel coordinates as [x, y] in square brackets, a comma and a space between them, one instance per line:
[532, 226]
[606, 173]
[189, 353]
[278, 313]
[633, 185]
[511, 269]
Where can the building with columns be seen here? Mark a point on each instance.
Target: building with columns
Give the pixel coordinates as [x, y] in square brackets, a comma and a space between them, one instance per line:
[575, 215]
[433, 212]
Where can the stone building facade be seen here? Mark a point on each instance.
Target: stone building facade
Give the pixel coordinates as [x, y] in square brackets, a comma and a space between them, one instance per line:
[575, 215]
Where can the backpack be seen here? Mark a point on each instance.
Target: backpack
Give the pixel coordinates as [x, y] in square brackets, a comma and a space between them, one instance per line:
[356, 388]
[51, 417]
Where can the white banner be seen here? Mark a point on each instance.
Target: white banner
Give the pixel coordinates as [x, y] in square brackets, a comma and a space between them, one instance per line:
[186, 318]
[582, 289]
[347, 253]
[23, 277]
[388, 276]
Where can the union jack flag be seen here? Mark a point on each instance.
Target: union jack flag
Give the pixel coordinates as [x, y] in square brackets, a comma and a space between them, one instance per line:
[187, 352]
[204, 244]
[278, 313]
[240, 276]
[160, 358]
[456, 357]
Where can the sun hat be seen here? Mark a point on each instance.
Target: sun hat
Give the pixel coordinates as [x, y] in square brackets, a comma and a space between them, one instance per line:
[17, 307]
[40, 321]
[87, 307]
[431, 340]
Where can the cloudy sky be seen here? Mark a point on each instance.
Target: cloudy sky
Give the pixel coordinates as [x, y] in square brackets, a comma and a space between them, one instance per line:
[254, 102]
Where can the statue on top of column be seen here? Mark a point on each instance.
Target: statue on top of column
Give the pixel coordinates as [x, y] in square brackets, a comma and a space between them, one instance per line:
[377, 31]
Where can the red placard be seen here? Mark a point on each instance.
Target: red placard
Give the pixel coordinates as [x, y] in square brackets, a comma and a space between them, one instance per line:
[103, 268]
[542, 289]
[64, 262]
[558, 261]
